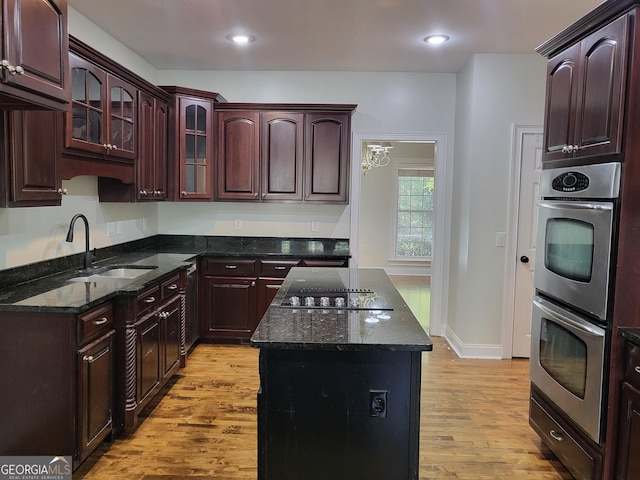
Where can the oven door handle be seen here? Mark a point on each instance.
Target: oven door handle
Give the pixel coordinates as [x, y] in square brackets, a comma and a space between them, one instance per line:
[591, 329]
[604, 206]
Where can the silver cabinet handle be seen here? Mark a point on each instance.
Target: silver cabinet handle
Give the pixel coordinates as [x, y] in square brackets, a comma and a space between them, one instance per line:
[149, 300]
[556, 436]
[101, 321]
[173, 286]
[63, 191]
[88, 359]
[230, 267]
[637, 368]
[279, 267]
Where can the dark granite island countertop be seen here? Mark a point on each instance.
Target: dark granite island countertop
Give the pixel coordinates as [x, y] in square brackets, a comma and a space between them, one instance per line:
[388, 325]
[340, 387]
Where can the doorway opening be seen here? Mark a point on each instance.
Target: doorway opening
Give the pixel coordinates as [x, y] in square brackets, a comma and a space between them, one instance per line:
[397, 217]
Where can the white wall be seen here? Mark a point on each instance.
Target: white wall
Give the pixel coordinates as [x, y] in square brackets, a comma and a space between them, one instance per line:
[494, 92]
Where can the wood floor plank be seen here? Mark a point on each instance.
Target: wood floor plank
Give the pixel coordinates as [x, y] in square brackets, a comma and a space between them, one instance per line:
[474, 423]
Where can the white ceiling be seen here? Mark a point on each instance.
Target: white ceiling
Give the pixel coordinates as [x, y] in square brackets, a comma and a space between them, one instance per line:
[340, 35]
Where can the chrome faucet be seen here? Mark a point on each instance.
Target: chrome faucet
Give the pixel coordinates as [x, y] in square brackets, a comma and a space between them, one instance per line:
[88, 256]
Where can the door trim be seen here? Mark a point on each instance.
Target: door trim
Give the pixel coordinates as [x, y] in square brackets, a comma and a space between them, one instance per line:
[511, 263]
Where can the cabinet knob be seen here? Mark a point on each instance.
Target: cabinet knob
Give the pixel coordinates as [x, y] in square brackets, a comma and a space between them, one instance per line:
[173, 286]
[637, 368]
[144, 193]
[88, 359]
[19, 70]
[183, 193]
[62, 191]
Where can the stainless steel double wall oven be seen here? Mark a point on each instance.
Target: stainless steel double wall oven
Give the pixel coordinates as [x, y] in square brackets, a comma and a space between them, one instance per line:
[575, 248]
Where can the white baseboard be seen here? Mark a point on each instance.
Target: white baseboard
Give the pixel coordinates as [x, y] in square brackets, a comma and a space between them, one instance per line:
[488, 352]
[421, 271]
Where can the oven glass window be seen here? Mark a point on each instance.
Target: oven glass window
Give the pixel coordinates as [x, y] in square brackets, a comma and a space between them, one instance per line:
[564, 356]
[569, 248]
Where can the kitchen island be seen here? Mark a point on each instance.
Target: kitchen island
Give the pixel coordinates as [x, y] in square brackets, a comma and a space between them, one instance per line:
[339, 378]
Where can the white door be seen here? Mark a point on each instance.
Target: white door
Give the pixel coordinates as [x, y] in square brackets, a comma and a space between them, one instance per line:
[530, 158]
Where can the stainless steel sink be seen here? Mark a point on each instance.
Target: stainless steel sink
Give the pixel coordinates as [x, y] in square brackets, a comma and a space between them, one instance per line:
[114, 273]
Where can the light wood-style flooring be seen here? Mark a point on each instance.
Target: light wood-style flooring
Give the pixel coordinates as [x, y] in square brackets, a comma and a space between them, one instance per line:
[474, 423]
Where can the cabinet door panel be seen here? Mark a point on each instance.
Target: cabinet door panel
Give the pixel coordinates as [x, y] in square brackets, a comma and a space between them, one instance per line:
[238, 155]
[96, 393]
[171, 332]
[34, 149]
[327, 157]
[149, 375]
[628, 459]
[38, 43]
[122, 119]
[282, 152]
[145, 165]
[599, 127]
[230, 307]
[195, 154]
[85, 122]
[560, 100]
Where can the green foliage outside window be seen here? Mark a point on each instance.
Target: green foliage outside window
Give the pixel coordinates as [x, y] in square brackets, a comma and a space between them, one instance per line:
[414, 228]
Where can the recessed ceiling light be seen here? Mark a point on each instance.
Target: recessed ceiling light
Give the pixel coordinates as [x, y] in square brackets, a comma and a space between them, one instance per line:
[241, 38]
[436, 39]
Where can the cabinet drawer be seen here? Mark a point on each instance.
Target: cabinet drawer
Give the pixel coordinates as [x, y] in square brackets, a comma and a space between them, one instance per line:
[569, 450]
[632, 364]
[276, 268]
[148, 299]
[95, 321]
[230, 267]
[170, 287]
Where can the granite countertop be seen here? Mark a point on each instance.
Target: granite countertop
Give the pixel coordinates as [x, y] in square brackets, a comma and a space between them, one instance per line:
[632, 334]
[392, 327]
[59, 293]
[45, 286]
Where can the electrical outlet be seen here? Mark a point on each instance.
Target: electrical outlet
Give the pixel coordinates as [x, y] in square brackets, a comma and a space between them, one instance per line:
[145, 224]
[111, 229]
[500, 239]
[237, 225]
[119, 227]
[315, 226]
[378, 403]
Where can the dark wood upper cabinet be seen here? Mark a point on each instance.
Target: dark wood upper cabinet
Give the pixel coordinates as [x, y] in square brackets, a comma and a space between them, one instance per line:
[238, 155]
[191, 143]
[151, 167]
[31, 145]
[35, 50]
[584, 102]
[283, 152]
[327, 138]
[282, 149]
[102, 118]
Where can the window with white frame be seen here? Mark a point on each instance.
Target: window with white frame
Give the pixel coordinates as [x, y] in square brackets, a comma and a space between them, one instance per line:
[414, 214]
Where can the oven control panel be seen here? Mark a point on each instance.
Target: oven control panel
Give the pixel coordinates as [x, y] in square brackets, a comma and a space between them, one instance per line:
[570, 182]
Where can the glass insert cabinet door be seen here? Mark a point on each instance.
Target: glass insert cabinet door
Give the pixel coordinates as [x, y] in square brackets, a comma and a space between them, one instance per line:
[103, 112]
[195, 155]
[85, 125]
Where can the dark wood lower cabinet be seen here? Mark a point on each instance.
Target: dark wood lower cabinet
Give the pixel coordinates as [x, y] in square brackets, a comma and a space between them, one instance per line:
[151, 346]
[236, 292]
[580, 455]
[95, 387]
[230, 307]
[59, 390]
[629, 444]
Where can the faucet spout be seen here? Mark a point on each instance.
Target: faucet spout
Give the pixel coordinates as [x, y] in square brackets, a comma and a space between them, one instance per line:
[88, 257]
